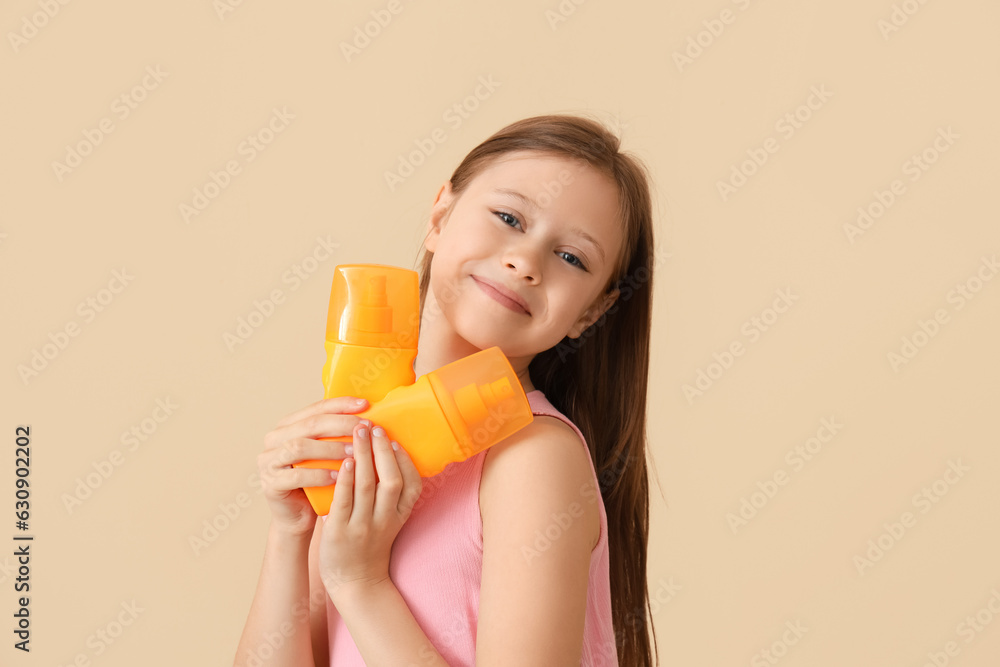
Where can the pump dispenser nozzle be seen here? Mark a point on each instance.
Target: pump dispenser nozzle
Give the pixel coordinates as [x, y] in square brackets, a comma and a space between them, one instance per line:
[474, 401]
[482, 399]
[373, 315]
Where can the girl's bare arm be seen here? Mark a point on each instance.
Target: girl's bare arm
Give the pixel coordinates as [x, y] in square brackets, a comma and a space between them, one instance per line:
[278, 622]
[286, 625]
[317, 602]
[540, 524]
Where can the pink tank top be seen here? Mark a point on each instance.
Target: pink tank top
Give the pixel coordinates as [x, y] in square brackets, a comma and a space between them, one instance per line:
[437, 561]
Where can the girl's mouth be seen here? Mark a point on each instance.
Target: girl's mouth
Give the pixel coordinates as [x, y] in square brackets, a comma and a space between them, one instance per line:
[498, 296]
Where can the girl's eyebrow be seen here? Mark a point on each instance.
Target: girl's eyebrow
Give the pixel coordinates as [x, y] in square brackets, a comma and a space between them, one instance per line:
[576, 230]
[516, 195]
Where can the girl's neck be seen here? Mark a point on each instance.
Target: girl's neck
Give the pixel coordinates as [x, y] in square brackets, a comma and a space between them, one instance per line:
[438, 344]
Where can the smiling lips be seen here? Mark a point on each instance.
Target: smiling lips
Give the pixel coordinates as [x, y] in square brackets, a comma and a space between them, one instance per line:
[502, 295]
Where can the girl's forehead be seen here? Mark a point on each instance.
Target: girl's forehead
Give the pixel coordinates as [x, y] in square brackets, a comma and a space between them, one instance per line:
[534, 170]
[527, 162]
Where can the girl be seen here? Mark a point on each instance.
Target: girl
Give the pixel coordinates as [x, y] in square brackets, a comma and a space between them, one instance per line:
[532, 552]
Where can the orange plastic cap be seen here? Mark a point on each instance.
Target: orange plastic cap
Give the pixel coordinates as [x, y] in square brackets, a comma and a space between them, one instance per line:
[488, 398]
[374, 305]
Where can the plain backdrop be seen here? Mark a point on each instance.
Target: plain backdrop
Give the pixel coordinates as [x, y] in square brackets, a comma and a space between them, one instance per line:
[825, 206]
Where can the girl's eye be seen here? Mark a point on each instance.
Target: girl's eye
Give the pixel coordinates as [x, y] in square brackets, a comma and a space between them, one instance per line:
[575, 261]
[500, 214]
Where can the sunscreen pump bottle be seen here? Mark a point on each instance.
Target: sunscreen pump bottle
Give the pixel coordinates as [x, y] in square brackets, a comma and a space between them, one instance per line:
[371, 331]
[447, 415]
[372, 328]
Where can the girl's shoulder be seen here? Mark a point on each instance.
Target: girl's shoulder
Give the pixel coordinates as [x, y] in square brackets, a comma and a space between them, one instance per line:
[543, 467]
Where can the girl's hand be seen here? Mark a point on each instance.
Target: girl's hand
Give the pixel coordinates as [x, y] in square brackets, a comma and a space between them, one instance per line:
[294, 439]
[364, 517]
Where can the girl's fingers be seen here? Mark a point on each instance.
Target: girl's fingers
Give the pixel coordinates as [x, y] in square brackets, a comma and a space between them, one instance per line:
[343, 493]
[338, 405]
[390, 482]
[302, 449]
[364, 473]
[289, 479]
[412, 484]
[316, 427]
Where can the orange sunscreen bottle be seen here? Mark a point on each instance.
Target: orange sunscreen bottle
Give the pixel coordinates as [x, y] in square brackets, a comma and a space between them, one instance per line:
[372, 328]
[371, 331]
[447, 415]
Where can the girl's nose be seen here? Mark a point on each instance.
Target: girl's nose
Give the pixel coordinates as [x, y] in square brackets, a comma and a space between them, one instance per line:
[524, 261]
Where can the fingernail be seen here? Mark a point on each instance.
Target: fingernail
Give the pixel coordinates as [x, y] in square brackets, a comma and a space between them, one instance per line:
[363, 432]
[349, 449]
[378, 431]
[365, 422]
[395, 446]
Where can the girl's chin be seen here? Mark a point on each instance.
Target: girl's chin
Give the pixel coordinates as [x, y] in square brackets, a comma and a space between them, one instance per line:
[478, 340]
[478, 335]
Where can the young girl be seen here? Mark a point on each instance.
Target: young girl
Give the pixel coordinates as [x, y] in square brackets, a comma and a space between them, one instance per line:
[532, 552]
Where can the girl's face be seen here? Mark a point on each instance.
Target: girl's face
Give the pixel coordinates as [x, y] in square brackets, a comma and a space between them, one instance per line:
[522, 256]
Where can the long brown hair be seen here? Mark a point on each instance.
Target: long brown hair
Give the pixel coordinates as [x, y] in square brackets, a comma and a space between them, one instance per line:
[599, 379]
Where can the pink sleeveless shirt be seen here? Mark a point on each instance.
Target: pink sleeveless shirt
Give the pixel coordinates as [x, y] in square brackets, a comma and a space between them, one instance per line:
[437, 562]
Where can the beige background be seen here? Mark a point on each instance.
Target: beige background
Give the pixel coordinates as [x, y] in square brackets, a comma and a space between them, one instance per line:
[722, 596]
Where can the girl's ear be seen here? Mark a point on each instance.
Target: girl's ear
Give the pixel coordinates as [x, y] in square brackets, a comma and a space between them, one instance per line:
[593, 313]
[439, 211]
